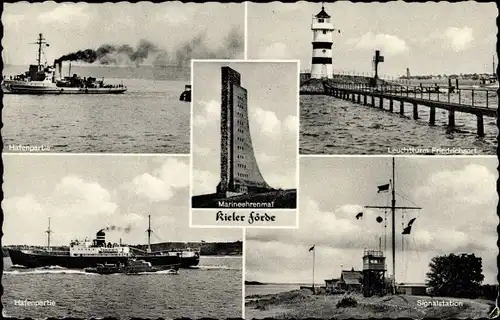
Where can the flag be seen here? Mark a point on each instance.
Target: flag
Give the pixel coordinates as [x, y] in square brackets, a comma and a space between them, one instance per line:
[407, 230]
[359, 215]
[382, 188]
[411, 222]
[312, 248]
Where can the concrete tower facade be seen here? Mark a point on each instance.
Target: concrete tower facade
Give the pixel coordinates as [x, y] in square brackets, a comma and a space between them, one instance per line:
[239, 172]
[322, 29]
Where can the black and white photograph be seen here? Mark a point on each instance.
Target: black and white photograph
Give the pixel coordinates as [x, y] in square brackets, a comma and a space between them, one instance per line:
[245, 134]
[381, 237]
[387, 78]
[108, 77]
[95, 236]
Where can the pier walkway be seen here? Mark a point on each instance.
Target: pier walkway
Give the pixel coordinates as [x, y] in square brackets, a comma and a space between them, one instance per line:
[479, 102]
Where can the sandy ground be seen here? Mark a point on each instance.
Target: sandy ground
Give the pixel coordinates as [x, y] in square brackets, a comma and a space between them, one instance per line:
[302, 304]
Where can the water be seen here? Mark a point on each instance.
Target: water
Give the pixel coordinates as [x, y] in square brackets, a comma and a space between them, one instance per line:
[213, 289]
[148, 118]
[270, 288]
[333, 126]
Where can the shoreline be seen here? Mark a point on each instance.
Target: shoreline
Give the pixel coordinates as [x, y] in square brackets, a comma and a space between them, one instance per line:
[303, 304]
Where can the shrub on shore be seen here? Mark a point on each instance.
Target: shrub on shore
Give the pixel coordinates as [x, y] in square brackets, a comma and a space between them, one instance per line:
[347, 301]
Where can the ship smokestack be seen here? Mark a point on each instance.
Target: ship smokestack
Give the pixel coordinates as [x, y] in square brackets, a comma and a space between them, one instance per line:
[101, 238]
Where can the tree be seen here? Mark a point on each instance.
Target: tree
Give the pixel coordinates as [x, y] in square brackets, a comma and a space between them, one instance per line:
[456, 275]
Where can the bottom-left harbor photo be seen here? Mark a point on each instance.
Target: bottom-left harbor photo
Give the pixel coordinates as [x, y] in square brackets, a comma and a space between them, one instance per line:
[93, 236]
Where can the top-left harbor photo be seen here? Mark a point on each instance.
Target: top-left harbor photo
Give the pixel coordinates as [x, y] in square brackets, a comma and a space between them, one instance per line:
[109, 77]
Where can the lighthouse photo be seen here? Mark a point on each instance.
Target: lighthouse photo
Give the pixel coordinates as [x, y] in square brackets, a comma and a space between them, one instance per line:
[356, 96]
[322, 28]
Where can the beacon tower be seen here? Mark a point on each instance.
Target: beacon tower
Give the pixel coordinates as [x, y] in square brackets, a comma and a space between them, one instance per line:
[239, 172]
[322, 29]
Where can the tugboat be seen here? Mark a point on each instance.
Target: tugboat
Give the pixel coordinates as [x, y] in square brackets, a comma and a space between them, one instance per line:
[44, 79]
[133, 266]
[84, 254]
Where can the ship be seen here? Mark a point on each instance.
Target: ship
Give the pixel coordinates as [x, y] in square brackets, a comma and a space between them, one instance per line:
[45, 79]
[133, 266]
[85, 254]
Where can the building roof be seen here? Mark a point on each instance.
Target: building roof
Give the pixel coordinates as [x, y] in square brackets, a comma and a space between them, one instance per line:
[322, 13]
[351, 277]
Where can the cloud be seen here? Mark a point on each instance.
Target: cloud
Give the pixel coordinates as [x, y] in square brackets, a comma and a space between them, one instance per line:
[209, 114]
[204, 182]
[66, 13]
[459, 39]
[472, 185]
[79, 196]
[163, 182]
[269, 124]
[388, 44]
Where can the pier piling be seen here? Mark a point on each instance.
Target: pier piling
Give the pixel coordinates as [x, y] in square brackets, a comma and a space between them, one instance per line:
[391, 105]
[432, 118]
[415, 111]
[381, 103]
[480, 125]
[451, 118]
[402, 108]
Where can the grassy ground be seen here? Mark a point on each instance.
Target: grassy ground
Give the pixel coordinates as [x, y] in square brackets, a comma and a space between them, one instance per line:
[302, 304]
[282, 199]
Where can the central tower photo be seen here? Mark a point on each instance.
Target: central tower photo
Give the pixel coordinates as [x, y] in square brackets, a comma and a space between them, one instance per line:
[244, 134]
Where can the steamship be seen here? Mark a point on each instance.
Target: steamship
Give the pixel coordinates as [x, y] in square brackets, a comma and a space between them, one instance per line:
[45, 79]
[84, 254]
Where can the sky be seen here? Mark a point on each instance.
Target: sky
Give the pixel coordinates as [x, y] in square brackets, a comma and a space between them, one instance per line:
[83, 194]
[69, 27]
[428, 38]
[273, 115]
[458, 200]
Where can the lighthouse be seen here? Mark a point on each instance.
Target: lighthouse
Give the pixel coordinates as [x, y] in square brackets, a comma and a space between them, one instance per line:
[322, 30]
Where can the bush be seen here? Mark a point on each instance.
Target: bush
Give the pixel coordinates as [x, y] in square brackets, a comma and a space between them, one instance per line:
[347, 302]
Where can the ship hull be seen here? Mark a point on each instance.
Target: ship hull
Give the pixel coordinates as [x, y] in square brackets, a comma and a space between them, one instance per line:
[35, 260]
[20, 87]
[185, 262]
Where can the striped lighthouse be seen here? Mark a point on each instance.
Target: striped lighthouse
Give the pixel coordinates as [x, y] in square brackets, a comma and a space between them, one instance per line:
[322, 30]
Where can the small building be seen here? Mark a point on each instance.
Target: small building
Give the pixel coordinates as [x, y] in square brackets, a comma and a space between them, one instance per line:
[414, 289]
[351, 280]
[331, 285]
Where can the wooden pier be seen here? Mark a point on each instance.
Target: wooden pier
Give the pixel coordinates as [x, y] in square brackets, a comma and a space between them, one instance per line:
[363, 93]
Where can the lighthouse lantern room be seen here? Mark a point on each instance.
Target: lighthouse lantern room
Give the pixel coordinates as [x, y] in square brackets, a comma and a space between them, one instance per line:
[322, 29]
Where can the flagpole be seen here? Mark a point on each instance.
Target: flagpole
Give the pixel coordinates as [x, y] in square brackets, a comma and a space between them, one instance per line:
[393, 212]
[314, 255]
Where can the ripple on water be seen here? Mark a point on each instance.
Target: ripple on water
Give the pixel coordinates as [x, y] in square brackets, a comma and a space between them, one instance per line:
[333, 126]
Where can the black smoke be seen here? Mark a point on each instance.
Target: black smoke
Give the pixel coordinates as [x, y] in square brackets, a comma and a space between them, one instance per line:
[117, 228]
[110, 54]
[196, 48]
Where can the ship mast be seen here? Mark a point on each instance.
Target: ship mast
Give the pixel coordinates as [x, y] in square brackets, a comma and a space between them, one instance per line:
[149, 234]
[393, 208]
[48, 236]
[39, 42]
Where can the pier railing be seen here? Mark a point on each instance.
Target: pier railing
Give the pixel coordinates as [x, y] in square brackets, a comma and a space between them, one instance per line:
[475, 97]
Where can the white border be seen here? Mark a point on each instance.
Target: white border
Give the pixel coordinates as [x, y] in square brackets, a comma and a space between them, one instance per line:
[297, 145]
[243, 271]
[245, 55]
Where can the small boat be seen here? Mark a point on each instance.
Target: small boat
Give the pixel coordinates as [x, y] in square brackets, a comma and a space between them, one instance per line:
[132, 266]
[106, 268]
[186, 95]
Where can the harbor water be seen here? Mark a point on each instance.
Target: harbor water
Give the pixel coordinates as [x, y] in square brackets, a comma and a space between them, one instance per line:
[333, 126]
[270, 288]
[213, 289]
[147, 118]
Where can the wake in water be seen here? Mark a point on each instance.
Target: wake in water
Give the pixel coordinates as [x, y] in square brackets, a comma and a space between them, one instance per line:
[215, 267]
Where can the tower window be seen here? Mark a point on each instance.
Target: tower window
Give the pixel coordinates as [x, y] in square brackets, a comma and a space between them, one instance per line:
[324, 31]
[321, 20]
